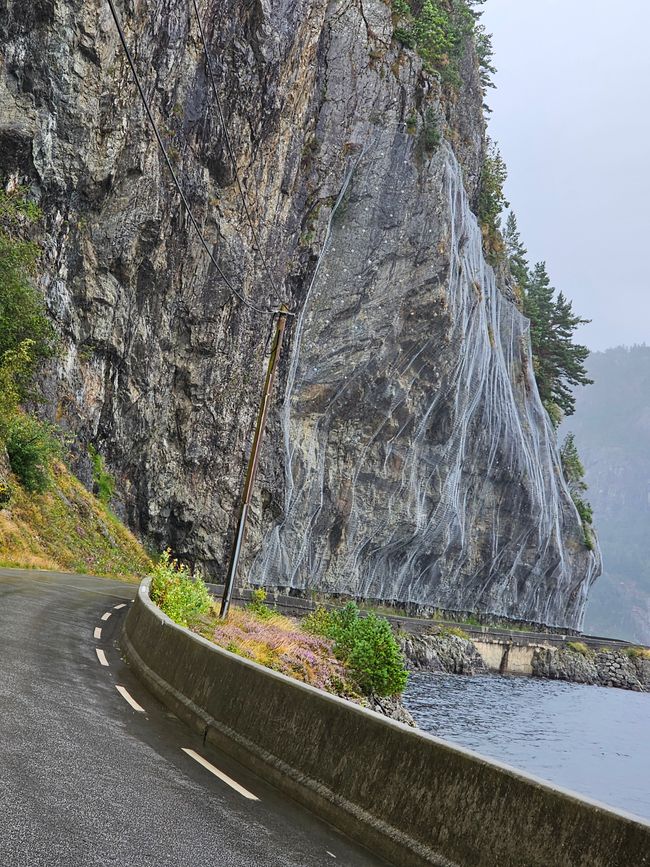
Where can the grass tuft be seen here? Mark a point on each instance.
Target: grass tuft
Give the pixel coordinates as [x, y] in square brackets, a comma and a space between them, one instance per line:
[67, 529]
[579, 647]
[637, 652]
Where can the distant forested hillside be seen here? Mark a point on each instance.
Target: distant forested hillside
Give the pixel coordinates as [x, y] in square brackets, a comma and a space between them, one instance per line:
[612, 432]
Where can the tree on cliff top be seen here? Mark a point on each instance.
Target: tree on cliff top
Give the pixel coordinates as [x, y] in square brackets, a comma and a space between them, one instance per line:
[559, 363]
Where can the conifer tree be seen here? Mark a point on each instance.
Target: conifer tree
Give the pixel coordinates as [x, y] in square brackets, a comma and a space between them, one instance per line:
[574, 474]
[516, 252]
[559, 363]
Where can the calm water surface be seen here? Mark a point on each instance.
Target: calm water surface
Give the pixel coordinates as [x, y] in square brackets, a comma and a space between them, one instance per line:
[592, 740]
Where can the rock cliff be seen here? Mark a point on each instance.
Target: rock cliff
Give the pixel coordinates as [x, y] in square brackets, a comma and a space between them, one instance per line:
[410, 458]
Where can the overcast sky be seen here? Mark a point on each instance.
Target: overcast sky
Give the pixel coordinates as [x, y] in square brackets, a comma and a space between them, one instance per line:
[571, 114]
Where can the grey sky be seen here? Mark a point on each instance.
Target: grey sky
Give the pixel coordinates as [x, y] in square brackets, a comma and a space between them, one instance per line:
[571, 114]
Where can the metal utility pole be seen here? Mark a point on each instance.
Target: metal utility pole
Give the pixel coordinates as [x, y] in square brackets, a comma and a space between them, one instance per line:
[253, 460]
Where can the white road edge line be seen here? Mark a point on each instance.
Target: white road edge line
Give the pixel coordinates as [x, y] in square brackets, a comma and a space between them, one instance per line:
[101, 656]
[121, 605]
[127, 697]
[220, 774]
[98, 632]
[106, 615]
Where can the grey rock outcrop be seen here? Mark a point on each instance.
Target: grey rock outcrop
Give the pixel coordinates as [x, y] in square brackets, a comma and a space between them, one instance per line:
[451, 654]
[411, 458]
[393, 708]
[604, 668]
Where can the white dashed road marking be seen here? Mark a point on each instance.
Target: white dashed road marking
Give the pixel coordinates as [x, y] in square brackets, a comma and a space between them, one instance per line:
[98, 632]
[220, 774]
[127, 697]
[121, 605]
[106, 615]
[101, 656]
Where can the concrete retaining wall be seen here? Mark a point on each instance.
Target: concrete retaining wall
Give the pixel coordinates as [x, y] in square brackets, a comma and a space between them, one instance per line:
[407, 796]
[506, 657]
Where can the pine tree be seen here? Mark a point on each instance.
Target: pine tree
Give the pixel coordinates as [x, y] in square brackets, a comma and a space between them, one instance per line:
[574, 474]
[558, 362]
[574, 471]
[516, 253]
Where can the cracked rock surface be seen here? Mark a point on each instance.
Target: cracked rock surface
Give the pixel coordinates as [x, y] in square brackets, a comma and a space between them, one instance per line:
[408, 456]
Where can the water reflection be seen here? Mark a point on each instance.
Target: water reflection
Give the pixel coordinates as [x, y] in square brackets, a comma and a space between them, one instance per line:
[589, 739]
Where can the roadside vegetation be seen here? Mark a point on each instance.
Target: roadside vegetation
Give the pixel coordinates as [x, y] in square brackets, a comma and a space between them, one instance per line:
[67, 529]
[579, 647]
[26, 339]
[339, 651]
[47, 518]
[637, 652]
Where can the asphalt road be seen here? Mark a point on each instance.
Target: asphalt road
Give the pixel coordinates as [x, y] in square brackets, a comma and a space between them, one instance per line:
[87, 779]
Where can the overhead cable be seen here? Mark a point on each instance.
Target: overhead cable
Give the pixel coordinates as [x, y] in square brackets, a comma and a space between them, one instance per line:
[163, 150]
[229, 148]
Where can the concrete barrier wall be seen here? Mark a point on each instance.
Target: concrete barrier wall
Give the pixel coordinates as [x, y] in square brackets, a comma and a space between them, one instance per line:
[407, 796]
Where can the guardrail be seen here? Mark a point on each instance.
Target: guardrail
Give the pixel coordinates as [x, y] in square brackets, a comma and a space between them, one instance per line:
[409, 797]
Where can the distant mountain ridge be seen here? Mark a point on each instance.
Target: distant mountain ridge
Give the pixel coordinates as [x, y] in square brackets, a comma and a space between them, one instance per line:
[612, 429]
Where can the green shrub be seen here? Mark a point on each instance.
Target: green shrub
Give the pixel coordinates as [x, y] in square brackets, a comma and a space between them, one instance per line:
[26, 337]
[26, 334]
[22, 308]
[258, 606]
[367, 647]
[637, 652]
[401, 7]
[455, 631]
[492, 201]
[404, 36]
[431, 136]
[579, 647]
[183, 598]
[16, 210]
[319, 622]
[31, 447]
[436, 37]
[15, 373]
[440, 30]
[584, 510]
[104, 482]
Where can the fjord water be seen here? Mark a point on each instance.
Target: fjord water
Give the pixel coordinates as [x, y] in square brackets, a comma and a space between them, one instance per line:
[589, 739]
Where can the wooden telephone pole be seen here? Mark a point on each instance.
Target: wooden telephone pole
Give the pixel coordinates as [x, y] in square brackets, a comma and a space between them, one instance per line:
[254, 459]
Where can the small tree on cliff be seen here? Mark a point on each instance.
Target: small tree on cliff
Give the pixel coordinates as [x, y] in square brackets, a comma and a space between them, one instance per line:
[574, 474]
[558, 361]
[517, 253]
[492, 201]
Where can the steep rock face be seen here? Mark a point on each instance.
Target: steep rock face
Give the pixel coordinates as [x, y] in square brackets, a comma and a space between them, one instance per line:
[411, 459]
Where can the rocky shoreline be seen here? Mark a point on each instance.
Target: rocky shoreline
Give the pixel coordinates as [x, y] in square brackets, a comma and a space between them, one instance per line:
[605, 667]
[443, 652]
[449, 651]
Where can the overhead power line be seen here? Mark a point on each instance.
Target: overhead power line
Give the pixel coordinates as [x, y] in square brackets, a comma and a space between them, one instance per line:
[229, 148]
[163, 150]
